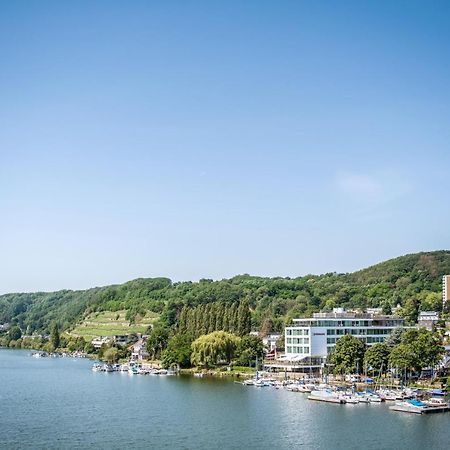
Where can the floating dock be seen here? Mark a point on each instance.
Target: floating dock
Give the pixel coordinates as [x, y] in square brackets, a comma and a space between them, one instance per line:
[328, 399]
[419, 410]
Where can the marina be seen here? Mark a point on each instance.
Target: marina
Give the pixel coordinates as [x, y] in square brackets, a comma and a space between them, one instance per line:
[58, 394]
[132, 369]
[414, 401]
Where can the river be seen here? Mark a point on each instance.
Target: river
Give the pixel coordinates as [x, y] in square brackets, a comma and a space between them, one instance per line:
[59, 403]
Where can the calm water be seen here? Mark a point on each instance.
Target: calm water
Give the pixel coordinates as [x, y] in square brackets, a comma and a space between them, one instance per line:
[59, 403]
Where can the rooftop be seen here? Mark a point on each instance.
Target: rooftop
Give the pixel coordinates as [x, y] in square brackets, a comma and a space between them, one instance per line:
[341, 313]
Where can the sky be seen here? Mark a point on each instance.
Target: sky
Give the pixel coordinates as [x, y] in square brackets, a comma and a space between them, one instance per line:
[204, 139]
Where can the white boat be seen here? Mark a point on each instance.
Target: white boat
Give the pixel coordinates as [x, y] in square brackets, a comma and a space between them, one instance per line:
[199, 374]
[409, 406]
[350, 399]
[325, 396]
[363, 398]
[433, 401]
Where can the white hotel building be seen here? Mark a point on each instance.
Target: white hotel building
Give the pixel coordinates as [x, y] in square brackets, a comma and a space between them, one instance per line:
[316, 337]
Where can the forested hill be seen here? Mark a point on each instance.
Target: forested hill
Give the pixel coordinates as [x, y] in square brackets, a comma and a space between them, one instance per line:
[413, 281]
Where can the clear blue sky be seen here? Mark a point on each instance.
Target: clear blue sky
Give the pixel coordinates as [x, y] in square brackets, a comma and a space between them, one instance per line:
[195, 139]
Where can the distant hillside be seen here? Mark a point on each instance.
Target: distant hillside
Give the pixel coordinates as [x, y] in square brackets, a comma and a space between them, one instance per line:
[413, 281]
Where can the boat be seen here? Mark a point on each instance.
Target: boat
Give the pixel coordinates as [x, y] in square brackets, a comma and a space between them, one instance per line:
[325, 396]
[97, 368]
[435, 402]
[350, 399]
[419, 407]
[199, 374]
[133, 370]
[262, 382]
[362, 397]
[388, 395]
[305, 388]
[437, 392]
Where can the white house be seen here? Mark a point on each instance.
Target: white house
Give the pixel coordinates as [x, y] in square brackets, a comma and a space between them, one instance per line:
[100, 340]
[139, 350]
[428, 319]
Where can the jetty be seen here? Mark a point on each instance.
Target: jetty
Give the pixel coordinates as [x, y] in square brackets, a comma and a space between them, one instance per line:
[418, 407]
[325, 396]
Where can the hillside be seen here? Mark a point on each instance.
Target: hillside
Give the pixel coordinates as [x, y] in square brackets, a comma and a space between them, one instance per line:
[413, 281]
[111, 323]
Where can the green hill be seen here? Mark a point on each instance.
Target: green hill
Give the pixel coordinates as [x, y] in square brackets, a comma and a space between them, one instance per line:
[412, 281]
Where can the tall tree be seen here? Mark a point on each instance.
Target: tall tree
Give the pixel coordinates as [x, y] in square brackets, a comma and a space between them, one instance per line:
[244, 321]
[15, 333]
[157, 340]
[220, 312]
[182, 320]
[249, 349]
[178, 351]
[348, 355]
[54, 336]
[376, 357]
[232, 318]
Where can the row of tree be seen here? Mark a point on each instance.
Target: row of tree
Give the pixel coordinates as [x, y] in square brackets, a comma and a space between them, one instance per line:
[405, 350]
[234, 318]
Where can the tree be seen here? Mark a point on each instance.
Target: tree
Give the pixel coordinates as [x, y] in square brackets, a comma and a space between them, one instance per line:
[348, 355]
[249, 349]
[232, 318]
[424, 345]
[89, 348]
[244, 319]
[110, 354]
[402, 357]
[15, 333]
[54, 336]
[395, 337]
[267, 326]
[182, 320]
[220, 312]
[178, 351]
[376, 357]
[214, 348]
[157, 340]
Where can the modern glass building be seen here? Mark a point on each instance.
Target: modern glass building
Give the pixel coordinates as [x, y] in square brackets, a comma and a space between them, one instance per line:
[316, 336]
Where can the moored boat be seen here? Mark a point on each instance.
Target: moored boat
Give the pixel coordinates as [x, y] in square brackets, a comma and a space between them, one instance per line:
[325, 396]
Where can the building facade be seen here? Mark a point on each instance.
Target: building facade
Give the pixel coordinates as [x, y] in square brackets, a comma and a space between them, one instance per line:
[428, 319]
[445, 289]
[317, 336]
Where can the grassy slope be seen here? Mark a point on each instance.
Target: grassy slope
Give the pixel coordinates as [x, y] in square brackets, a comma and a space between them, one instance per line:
[106, 323]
